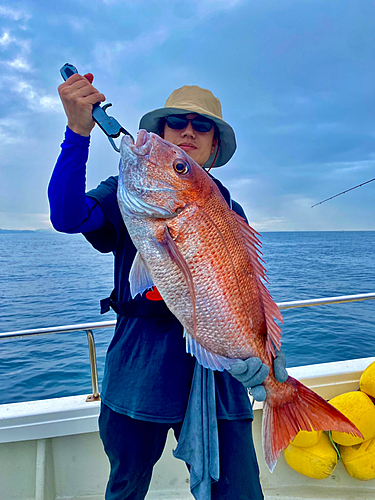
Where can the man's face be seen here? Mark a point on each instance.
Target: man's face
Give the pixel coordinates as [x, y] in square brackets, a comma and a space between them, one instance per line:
[198, 145]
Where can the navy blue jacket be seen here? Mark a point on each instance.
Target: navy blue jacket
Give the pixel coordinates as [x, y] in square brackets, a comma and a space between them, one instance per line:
[148, 373]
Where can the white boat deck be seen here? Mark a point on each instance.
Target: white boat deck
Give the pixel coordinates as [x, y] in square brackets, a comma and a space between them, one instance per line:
[50, 450]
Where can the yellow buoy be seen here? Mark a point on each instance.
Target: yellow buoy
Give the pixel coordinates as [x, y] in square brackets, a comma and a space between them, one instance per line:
[367, 380]
[318, 461]
[359, 460]
[304, 439]
[360, 410]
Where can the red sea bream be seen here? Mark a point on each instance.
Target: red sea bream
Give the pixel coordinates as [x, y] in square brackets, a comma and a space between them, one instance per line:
[203, 258]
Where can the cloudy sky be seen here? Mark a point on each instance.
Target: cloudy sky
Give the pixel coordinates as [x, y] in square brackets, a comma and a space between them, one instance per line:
[296, 80]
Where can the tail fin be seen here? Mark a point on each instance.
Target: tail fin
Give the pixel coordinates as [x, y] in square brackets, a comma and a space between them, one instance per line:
[300, 409]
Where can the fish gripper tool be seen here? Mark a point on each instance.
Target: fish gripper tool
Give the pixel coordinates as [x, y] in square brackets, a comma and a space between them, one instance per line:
[108, 124]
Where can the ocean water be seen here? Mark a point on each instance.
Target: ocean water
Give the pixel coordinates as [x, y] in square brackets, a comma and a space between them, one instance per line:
[52, 279]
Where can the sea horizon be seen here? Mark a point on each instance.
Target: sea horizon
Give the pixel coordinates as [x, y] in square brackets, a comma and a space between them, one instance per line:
[51, 279]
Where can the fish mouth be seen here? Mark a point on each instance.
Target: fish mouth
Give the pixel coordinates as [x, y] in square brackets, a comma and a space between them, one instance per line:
[132, 201]
[142, 146]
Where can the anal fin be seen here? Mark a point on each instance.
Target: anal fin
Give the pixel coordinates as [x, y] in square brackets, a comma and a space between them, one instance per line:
[205, 358]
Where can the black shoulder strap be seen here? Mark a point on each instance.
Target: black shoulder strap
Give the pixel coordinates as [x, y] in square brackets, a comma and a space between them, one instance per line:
[135, 308]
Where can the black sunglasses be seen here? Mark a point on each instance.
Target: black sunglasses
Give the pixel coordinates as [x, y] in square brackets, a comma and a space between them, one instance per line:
[199, 123]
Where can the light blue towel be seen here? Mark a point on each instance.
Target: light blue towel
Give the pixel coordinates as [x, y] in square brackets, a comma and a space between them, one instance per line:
[198, 444]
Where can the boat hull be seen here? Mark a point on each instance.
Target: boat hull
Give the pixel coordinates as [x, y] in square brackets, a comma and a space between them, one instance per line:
[51, 450]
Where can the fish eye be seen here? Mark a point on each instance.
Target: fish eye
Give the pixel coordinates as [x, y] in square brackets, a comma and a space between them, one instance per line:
[181, 167]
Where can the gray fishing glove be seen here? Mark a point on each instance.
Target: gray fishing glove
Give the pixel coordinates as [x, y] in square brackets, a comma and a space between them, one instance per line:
[252, 373]
[279, 366]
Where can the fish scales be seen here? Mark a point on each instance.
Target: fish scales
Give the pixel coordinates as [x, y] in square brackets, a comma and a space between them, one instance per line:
[208, 243]
[220, 304]
[203, 259]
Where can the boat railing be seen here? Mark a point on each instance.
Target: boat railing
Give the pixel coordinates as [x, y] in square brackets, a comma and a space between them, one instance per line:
[83, 327]
[89, 327]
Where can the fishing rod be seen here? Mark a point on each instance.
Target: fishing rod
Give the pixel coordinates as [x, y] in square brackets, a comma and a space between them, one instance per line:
[108, 124]
[343, 192]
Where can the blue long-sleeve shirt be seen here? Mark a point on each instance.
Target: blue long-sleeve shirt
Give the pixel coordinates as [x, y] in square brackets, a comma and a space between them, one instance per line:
[71, 210]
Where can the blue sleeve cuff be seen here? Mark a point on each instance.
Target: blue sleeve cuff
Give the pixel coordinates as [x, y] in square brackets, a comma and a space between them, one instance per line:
[77, 139]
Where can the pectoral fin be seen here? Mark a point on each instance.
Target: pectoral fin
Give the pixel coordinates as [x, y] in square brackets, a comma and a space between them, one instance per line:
[139, 276]
[169, 246]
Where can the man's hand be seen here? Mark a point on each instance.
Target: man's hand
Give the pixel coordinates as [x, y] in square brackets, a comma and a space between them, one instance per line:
[78, 97]
[252, 373]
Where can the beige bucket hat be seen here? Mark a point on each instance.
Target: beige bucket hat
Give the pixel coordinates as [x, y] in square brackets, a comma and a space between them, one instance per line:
[194, 99]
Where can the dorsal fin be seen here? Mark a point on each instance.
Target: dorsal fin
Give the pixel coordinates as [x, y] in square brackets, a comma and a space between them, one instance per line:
[270, 309]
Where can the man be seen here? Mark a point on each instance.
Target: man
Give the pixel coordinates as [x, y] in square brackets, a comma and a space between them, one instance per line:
[148, 374]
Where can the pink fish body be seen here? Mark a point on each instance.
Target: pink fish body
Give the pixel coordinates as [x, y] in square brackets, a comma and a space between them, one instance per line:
[204, 261]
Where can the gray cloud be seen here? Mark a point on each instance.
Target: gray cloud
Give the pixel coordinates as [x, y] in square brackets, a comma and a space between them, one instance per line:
[295, 80]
